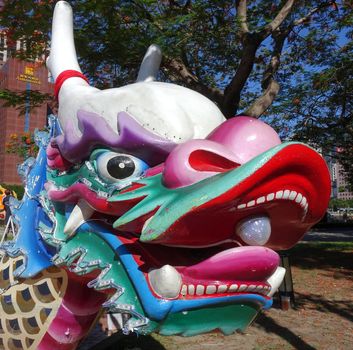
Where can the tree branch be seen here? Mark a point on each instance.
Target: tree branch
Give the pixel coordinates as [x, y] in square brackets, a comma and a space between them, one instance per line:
[269, 84]
[177, 70]
[251, 42]
[241, 8]
[278, 20]
[307, 17]
[232, 92]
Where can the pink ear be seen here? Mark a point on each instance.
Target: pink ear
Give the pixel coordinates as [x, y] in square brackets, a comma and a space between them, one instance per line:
[245, 136]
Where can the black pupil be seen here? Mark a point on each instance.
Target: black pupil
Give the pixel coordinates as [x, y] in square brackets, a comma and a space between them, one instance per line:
[121, 167]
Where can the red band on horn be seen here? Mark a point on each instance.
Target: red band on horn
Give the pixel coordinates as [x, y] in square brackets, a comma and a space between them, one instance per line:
[66, 74]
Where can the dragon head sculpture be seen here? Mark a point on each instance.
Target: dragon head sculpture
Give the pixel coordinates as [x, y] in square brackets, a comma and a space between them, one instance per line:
[156, 207]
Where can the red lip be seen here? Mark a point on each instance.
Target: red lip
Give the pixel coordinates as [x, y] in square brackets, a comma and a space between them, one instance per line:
[295, 169]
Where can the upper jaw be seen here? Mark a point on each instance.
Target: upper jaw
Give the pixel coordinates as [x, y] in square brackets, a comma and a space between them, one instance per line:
[281, 186]
[279, 190]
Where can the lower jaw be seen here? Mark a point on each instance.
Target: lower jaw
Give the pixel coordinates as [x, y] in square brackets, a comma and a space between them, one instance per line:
[224, 318]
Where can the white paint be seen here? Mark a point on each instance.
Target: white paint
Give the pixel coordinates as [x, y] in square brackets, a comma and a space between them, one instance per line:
[260, 200]
[79, 215]
[299, 198]
[191, 289]
[279, 194]
[150, 64]
[292, 195]
[251, 204]
[211, 289]
[166, 281]
[233, 288]
[286, 194]
[275, 280]
[170, 111]
[270, 197]
[222, 288]
[242, 288]
[200, 289]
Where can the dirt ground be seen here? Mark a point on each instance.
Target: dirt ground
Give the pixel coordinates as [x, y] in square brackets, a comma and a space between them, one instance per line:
[321, 319]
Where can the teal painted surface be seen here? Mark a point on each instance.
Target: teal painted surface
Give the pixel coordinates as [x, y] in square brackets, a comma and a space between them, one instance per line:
[174, 203]
[226, 318]
[93, 253]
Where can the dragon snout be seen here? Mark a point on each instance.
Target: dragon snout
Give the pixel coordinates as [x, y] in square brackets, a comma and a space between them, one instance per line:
[230, 145]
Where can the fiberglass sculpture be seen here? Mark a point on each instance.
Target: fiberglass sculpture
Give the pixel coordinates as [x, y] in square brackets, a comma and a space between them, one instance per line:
[145, 201]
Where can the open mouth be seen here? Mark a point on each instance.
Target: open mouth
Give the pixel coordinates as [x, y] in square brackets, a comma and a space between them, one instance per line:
[176, 272]
[216, 233]
[183, 273]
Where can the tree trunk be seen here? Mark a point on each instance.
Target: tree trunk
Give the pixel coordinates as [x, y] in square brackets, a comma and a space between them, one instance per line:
[232, 92]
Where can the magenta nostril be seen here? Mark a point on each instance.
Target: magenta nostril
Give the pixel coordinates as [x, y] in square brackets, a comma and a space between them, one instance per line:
[203, 160]
[197, 160]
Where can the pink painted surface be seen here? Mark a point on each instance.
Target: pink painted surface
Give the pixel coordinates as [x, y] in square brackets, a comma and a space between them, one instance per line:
[76, 315]
[245, 136]
[241, 263]
[180, 172]
[237, 140]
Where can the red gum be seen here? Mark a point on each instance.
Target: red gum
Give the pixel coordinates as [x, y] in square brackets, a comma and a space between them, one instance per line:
[78, 191]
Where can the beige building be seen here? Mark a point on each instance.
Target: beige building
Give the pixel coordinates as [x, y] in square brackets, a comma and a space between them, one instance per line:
[340, 184]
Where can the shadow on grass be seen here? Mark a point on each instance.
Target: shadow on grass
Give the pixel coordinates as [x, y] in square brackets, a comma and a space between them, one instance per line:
[119, 341]
[271, 326]
[322, 256]
[342, 308]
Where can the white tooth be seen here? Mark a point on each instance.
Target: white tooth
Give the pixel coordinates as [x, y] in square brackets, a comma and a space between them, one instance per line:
[279, 194]
[241, 206]
[200, 290]
[306, 208]
[251, 288]
[242, 288]
[286, 194]
[299, 198]
[79, 215]
[233, 288]
[166, 281]
[275, 280]
[184, 289]
[292, 195]
[303, 202]
[211, 289]
[260, 200]
[222, 288]
[270, 196]
[191, 289]
[250, 204]
[259, 288]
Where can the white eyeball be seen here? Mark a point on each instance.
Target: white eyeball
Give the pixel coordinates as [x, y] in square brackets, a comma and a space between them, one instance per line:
[115, 167]
[255, 230]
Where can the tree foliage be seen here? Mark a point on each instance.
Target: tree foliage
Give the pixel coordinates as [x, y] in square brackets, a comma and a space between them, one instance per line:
[22, 145]
[21, 100]
[287, 61]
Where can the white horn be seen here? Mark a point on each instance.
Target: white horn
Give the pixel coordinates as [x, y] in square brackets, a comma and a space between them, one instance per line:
[170, 111]
[62, 51]
[150, 64]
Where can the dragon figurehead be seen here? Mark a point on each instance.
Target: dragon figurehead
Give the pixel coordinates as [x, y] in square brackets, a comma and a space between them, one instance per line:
[157, 207]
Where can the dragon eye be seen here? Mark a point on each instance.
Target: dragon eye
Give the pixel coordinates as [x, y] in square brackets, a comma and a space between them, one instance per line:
[115, 167]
